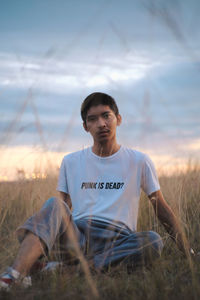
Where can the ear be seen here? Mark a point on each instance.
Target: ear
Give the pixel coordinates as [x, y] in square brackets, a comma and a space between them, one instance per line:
[85, 126]
[119, 119]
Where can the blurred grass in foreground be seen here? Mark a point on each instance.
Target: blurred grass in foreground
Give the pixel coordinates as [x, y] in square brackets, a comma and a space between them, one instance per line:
[170, 277]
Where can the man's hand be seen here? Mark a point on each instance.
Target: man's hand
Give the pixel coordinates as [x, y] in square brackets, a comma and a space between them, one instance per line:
[169, 221]
[66, 198]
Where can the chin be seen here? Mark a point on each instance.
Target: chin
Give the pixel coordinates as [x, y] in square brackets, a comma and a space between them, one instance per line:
[104, 140]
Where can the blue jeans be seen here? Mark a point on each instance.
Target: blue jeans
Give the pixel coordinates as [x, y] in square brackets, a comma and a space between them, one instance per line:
[100, 242]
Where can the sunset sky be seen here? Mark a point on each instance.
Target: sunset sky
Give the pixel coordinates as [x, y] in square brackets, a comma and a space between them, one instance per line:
[53, 53]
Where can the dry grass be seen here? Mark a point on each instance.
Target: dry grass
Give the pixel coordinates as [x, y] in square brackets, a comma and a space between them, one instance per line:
[171, 277]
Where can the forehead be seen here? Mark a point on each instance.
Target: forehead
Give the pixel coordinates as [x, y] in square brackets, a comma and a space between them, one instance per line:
[99, 109]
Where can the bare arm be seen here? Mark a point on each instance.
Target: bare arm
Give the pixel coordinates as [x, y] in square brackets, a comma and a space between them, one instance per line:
[169, 221]
[66, 198]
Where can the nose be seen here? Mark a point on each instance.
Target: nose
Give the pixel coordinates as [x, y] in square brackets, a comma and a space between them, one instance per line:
[101, 122]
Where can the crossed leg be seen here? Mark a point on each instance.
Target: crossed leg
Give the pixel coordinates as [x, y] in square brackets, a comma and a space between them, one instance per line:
[41, 231]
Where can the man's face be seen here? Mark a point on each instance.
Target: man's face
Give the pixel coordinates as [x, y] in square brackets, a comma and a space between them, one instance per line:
[101, 123]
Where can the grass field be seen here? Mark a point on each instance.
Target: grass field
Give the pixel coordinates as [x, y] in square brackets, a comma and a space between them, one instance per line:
[171, 277]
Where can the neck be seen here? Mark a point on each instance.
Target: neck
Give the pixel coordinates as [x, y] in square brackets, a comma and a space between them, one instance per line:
[105, 149]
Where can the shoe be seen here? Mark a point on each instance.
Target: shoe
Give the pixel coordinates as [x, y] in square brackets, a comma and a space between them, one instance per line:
[51, 266]
[10, 277]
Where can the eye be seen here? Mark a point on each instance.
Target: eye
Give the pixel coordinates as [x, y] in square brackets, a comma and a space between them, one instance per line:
[106, 116]
[91, 118]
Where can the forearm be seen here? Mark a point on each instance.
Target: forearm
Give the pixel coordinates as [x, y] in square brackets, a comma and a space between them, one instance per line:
[170, 222]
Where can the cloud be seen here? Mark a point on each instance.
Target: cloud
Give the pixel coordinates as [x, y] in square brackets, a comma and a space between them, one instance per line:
[66, 76]
[152, 96]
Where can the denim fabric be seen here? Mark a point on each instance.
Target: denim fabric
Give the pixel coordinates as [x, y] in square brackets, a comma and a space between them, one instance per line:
[102, 243]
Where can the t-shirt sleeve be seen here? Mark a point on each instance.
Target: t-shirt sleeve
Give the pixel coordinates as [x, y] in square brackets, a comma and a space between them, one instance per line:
[149, 182]
[62, 178]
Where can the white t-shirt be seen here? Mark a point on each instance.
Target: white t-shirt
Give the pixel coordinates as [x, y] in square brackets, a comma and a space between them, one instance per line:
[107, 188]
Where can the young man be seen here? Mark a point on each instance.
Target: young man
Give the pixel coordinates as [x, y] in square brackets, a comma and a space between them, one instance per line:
[97, 214]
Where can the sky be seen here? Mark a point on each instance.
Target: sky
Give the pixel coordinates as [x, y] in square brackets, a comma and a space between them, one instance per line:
[53, 53]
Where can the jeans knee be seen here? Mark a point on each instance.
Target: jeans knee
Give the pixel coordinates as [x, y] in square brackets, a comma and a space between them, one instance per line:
[53, 201]
[56, 205]
[156, 241]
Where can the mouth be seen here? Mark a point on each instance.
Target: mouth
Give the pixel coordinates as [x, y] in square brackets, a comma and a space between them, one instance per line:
[103, 132]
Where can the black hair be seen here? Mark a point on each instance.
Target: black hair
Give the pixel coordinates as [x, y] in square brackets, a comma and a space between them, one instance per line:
[95, 99]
